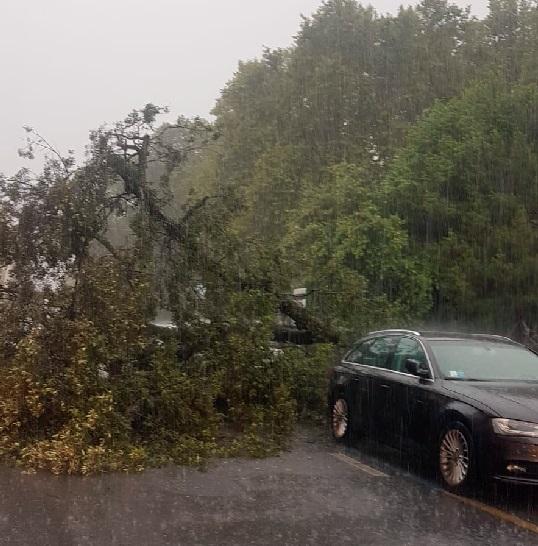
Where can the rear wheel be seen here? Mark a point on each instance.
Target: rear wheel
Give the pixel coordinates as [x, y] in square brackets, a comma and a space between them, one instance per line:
[341, 420]
[456, 465]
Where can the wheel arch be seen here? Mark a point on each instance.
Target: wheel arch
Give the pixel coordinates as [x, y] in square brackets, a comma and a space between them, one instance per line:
[340, 384]
[476, 421]
[336, 389]
[466, 414]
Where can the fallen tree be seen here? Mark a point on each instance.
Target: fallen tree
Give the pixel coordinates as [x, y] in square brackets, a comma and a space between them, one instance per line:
[85, 384]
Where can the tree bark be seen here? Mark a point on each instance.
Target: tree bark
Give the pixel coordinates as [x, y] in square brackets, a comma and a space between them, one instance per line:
[321, 331]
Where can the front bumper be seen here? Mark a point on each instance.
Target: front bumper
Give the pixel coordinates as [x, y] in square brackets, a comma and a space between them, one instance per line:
[516, 460]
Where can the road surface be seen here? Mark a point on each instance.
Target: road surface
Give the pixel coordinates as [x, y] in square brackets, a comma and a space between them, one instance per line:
[317, 493]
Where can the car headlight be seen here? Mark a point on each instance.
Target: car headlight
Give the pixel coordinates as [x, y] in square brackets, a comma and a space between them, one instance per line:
[509, 427]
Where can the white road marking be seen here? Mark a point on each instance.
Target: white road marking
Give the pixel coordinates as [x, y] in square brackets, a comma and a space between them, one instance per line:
[360, 466]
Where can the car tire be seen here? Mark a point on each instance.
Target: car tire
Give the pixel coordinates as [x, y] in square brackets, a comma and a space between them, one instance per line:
[456, 458]
[341, 419]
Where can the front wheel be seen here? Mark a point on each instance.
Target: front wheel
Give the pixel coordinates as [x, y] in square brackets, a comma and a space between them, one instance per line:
[456, 465]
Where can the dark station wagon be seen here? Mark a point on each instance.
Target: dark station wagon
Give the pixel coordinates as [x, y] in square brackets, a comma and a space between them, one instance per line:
[469, 402]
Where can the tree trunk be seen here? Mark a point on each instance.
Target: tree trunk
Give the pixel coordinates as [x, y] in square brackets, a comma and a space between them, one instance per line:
[321, 331]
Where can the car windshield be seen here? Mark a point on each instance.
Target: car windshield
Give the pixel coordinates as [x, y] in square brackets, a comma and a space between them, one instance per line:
[472, 360]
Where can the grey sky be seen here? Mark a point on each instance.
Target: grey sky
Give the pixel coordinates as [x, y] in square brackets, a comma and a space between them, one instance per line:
[67, 66]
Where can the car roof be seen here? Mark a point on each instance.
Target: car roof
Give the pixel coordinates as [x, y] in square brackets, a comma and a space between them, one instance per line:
[446, 335]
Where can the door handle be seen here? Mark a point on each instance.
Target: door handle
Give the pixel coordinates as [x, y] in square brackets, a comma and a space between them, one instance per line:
[383, 386]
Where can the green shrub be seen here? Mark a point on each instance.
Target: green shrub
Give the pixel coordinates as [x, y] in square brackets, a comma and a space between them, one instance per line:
[308, 369]
[82, 395]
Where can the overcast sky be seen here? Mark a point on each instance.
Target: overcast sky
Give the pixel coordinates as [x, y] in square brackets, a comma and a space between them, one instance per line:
[67, 66]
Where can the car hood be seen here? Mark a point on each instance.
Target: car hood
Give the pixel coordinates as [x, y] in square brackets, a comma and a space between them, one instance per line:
[513, 400]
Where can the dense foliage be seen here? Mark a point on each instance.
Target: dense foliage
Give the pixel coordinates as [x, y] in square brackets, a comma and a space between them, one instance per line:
[474, 163]
[392, 161]
[388, 164]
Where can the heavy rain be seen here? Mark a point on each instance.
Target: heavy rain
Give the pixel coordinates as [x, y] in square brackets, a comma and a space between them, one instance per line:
[269, 272]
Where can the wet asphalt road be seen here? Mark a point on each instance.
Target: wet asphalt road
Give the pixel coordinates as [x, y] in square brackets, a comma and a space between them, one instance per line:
[306, 496]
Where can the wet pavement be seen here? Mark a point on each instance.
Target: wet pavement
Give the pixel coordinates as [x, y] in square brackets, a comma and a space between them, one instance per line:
[317, 493]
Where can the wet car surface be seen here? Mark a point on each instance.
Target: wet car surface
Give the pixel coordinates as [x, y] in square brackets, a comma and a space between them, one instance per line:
[466, 403]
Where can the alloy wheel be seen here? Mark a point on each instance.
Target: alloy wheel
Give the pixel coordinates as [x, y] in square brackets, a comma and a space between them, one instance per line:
[340, 418]
[454, 457]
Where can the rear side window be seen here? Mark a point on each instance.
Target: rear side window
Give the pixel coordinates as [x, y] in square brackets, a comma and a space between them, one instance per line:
[356, 354]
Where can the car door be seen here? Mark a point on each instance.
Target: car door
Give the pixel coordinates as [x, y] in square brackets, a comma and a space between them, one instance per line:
[414, 397]
[383, 413]
[360, 384]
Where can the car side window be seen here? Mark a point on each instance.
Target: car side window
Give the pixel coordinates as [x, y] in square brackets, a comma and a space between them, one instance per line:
[408, 348]
[356, 354]
[380, 351]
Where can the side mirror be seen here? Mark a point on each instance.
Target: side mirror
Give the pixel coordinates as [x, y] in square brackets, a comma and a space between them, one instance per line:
[417, 368]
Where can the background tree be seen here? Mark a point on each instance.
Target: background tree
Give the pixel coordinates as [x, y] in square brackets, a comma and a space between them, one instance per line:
[466, 185]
